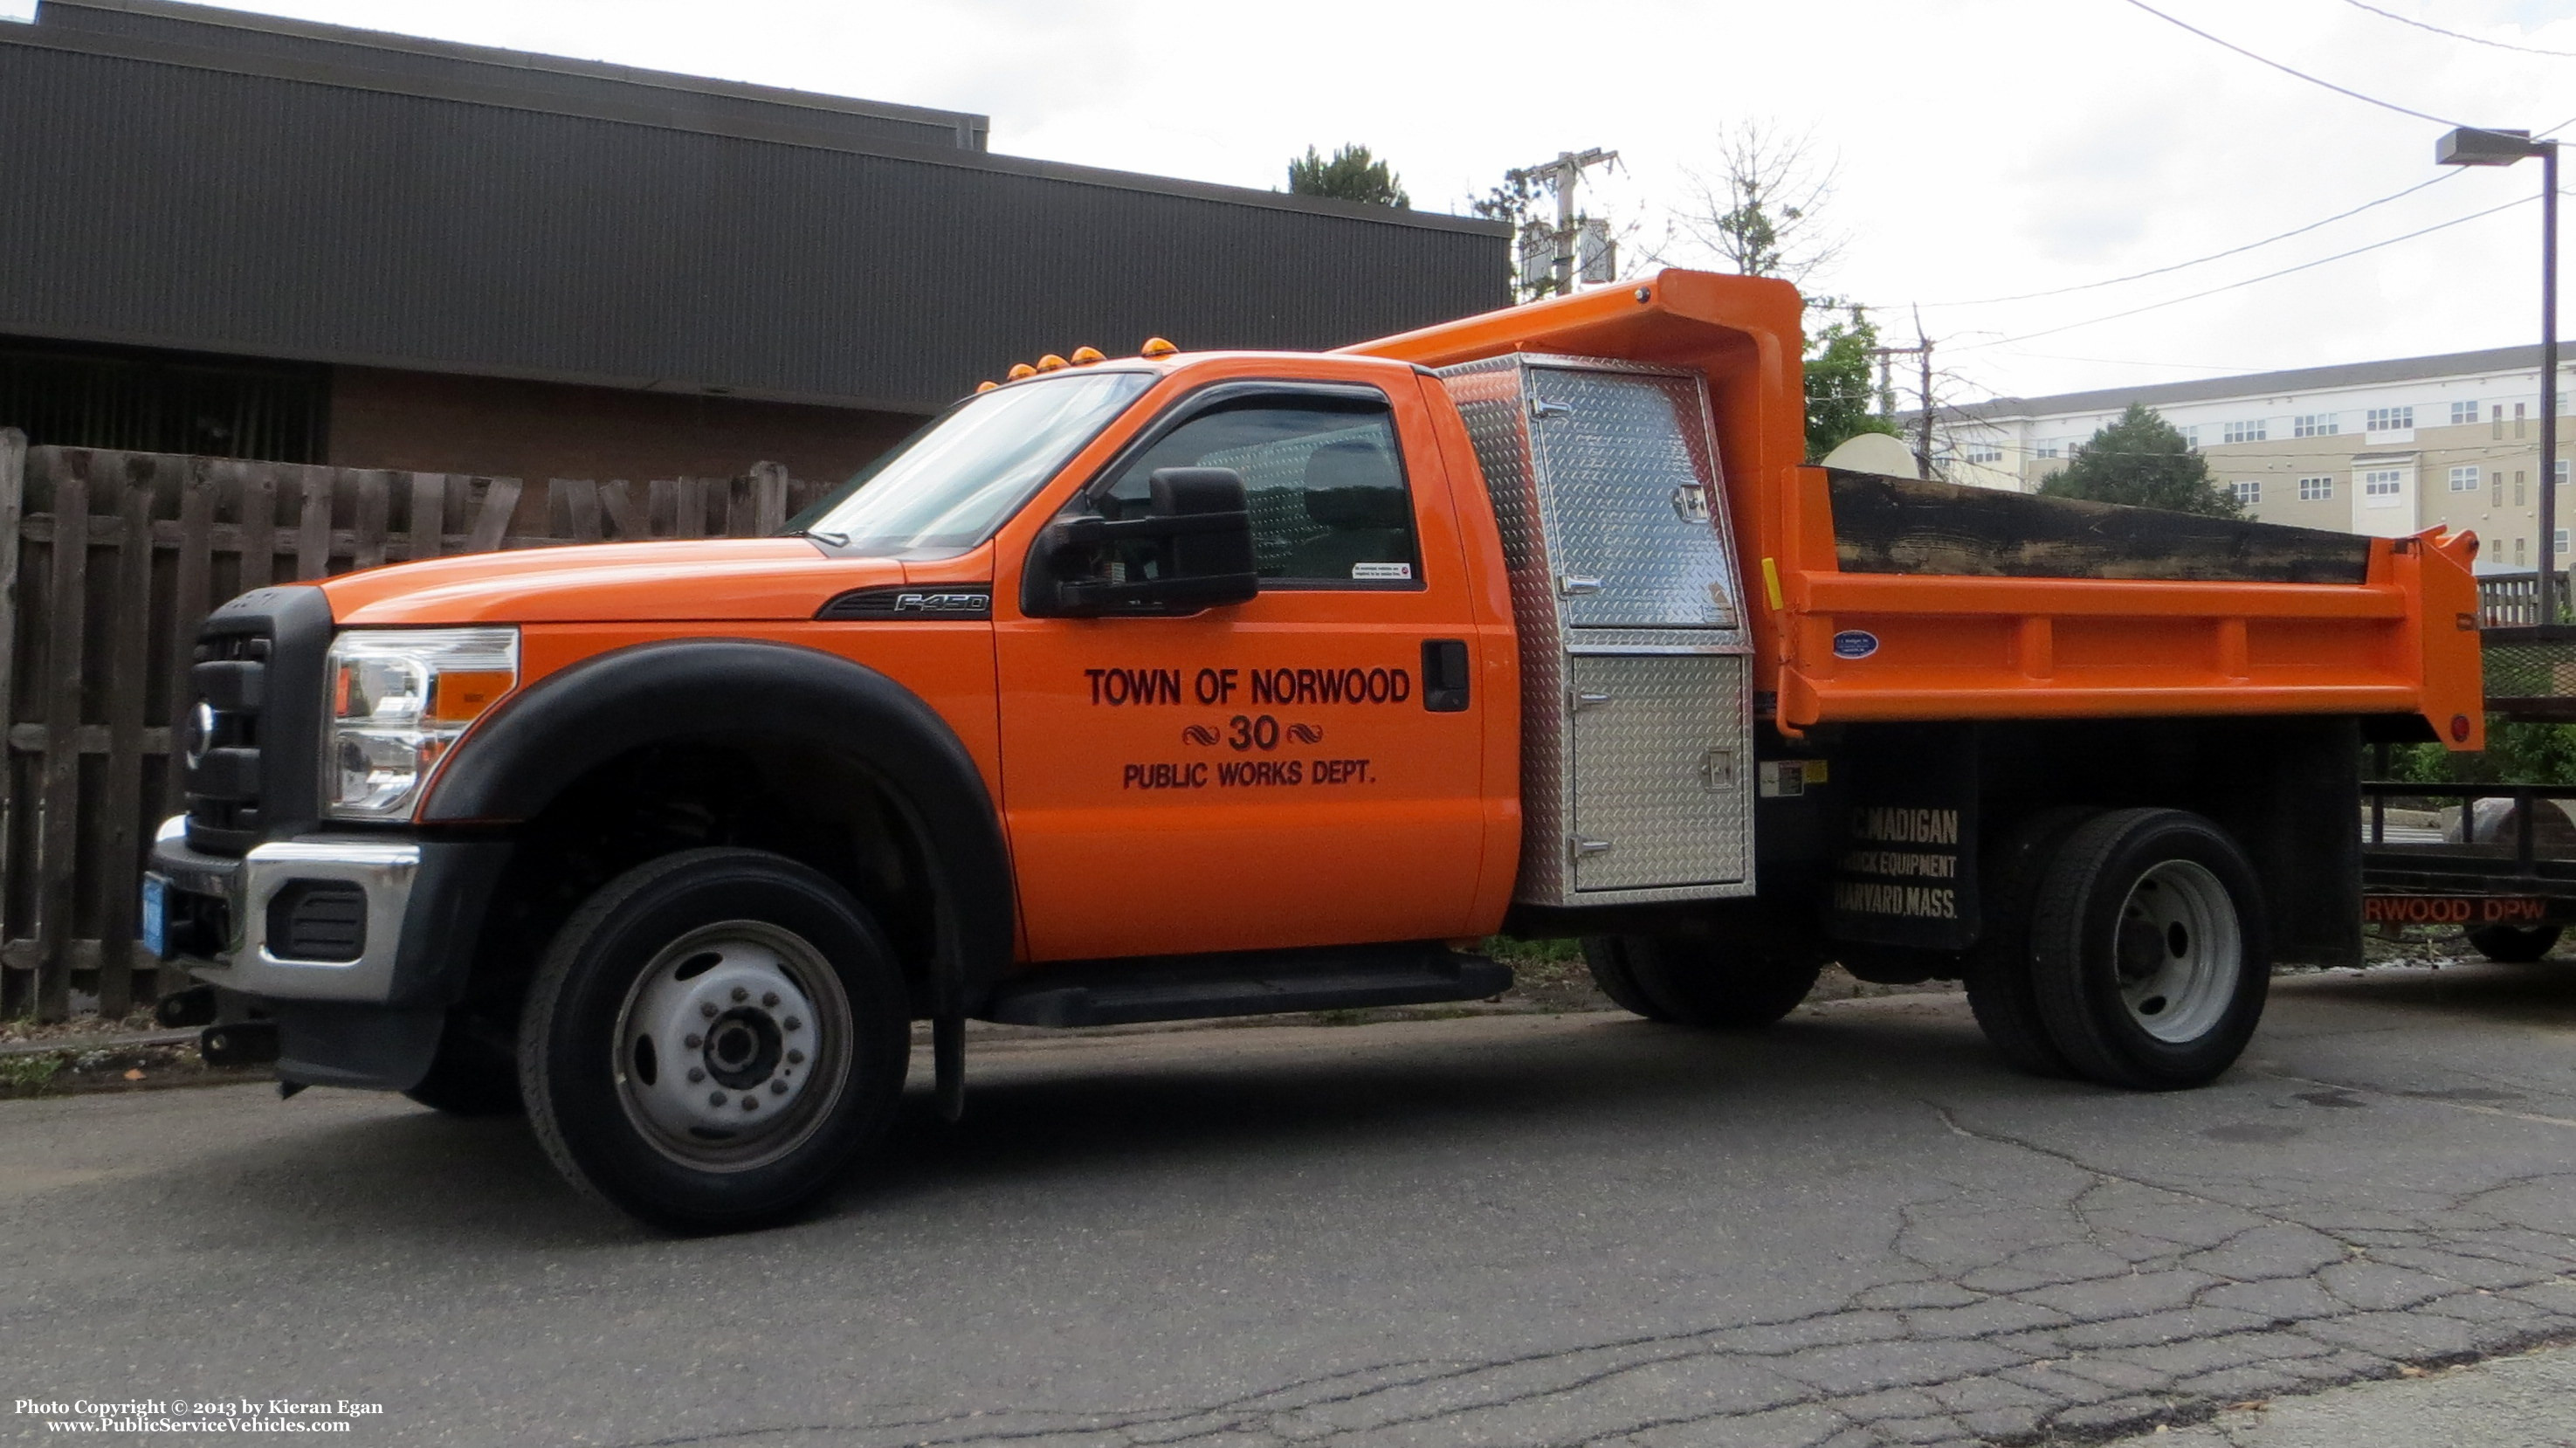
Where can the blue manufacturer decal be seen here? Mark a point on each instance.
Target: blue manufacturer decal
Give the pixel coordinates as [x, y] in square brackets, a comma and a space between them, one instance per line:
[1855, 644]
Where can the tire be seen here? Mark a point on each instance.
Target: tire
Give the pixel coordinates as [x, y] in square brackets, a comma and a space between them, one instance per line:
[2514, 944]
[1997, 970]
[473, 1074]
[705, 970]
[1752, 971]
[1607, 958]
[2149, 951]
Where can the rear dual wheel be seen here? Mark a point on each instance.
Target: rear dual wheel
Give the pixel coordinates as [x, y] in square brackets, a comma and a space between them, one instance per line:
[2129, 947]
[1747, 972]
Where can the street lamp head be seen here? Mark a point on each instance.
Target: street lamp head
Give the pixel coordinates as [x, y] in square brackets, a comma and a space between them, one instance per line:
[2472, 146]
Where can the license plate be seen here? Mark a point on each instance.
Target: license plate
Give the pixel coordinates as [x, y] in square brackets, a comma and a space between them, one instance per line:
[156, 916]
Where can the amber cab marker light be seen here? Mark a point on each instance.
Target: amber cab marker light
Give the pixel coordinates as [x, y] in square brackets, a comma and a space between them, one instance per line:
[1157, 347]
[1051, 363]
[987, 385]
[1020, 370]
[1085, 356]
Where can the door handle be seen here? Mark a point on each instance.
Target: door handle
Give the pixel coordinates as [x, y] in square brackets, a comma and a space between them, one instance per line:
[1583, 847]
[1717, 770]
[1587, 698]
[1571, 584]
[1445, 675]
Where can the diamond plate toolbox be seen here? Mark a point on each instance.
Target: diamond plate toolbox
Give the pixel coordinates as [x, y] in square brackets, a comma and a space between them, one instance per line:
[1636, 730]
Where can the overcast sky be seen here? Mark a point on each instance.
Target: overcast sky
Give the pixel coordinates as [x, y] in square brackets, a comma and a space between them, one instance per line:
[1985, 147]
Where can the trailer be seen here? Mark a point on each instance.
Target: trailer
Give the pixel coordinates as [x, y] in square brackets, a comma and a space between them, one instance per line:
[2500, 861]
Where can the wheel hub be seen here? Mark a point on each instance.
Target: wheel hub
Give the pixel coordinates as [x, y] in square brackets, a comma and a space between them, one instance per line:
[2179, 953]
[717, 1044]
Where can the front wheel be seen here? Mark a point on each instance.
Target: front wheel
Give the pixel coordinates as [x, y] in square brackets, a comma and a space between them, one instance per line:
[712, 1037]
[2148, 950]
[2513, 944]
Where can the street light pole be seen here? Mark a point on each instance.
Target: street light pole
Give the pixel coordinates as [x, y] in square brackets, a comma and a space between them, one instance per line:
[2549, 373]
[2471, 146]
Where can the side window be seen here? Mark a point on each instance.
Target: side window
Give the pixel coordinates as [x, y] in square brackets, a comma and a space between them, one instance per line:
[1325, 480]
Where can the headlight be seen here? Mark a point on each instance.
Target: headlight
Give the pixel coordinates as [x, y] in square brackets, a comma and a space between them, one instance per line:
[399, 699]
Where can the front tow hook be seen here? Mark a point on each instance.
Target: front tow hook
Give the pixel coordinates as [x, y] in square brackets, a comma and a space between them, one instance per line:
[194, 1006]
[239, 1043]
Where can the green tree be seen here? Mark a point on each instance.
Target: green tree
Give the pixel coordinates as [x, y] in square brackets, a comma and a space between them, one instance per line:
[2142, 460]
[1351, 175]
[2517, 752]
[1838, 381]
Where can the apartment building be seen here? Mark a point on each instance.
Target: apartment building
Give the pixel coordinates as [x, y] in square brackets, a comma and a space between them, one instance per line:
[2385, 448]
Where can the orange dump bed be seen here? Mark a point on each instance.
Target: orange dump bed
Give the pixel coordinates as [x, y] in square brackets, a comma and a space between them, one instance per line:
[1889, 599]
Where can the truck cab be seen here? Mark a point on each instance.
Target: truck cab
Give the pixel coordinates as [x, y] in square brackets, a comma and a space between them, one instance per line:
[1201, 684]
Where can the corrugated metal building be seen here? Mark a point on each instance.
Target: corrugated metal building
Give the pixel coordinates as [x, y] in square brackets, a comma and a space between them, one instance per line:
[230, 233]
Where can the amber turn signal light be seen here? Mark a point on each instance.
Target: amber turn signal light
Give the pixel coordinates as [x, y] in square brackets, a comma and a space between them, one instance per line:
[460, 696]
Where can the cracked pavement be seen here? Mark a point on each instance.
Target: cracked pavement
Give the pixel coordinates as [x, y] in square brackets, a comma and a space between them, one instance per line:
[1527, 1230]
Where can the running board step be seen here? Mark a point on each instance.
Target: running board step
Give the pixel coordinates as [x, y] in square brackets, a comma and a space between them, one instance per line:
[1190, 988]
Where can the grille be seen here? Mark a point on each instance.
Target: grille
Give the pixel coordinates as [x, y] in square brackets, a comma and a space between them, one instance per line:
[221, 736]
[317, 920]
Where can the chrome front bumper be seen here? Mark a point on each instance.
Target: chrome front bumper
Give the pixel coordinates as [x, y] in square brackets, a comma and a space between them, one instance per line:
[384, 871]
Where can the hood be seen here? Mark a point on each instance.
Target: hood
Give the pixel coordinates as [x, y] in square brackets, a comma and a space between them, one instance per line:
[683, 580]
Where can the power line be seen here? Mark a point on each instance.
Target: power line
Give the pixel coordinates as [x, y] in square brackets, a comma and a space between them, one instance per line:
[2456, 35]
[2199, 260]
[2446, 175]
[2250, 281]
[2140, 362]
[2287, 70]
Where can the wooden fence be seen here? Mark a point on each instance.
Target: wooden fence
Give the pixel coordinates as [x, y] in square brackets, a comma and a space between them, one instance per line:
[109, 561]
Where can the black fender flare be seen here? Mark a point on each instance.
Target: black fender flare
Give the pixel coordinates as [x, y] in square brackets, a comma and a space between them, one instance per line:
[544, 737]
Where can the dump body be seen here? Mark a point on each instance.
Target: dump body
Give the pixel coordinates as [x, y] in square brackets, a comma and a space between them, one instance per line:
[1956, 603]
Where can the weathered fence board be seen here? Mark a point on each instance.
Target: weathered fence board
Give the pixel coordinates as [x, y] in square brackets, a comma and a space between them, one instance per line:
[109, 562]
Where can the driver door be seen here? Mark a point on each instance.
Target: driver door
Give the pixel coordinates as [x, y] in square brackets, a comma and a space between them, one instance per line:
[1267, 774]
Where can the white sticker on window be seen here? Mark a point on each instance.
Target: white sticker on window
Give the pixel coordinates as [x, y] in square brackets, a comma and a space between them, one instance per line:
[1381, 570]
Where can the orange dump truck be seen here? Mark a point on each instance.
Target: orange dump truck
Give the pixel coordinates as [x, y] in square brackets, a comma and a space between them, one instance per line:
[1203, 684]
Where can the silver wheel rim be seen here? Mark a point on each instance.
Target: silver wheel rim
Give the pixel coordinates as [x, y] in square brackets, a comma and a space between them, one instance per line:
[732, 1047]
[2178, 951]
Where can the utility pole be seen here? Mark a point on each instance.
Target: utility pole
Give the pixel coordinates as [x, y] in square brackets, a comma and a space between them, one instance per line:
[1561, 176]
[1922, 351]
[1923, 422]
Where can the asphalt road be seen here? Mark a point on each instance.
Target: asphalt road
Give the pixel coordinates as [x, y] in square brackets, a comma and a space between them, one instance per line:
[1507, 1230]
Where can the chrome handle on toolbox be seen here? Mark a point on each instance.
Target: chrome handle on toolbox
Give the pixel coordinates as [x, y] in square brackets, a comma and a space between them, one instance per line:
[1571, 584]
[1717, 770]
[1543, 410]
[1586, 698]
[1583, 845]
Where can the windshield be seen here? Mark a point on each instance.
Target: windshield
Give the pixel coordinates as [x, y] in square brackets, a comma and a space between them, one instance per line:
[948, 486]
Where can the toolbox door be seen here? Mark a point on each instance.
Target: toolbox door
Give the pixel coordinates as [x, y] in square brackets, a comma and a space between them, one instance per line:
[1662, 789]
[1633, 500]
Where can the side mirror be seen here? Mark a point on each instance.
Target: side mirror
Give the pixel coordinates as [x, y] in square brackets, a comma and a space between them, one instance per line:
[1195, 542]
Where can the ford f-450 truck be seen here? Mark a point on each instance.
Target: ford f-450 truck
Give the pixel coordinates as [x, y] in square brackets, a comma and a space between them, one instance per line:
[1202, 684]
